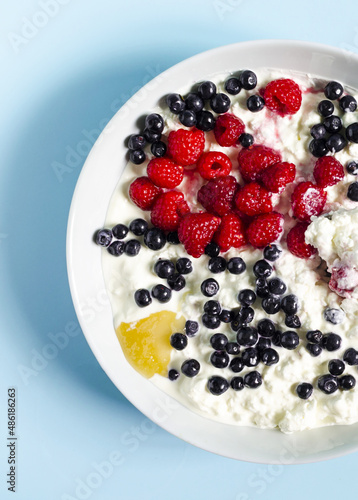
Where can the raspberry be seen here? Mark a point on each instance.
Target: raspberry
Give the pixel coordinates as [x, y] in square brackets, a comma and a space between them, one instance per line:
[283, 96]
[217, 195]
[231, 233]
[214, 164]
[296, 242]
[143, 192]
[227, 129]
[276, 177]
[328, 171]
[185, 146]
[164, 173]
[265, 229]
[167, 210]
[196, 230]
[308, 200]
[253, 199]
[254, 160]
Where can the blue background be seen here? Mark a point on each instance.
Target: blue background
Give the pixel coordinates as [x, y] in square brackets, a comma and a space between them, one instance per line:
[64, 74]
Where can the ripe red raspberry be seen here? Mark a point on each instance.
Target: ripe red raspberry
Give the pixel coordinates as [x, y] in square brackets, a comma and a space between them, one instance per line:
[231, 233]
[296, 241]
[276, 177]
[328, 171]
[265, 229]
[143, 192]
[254, 160]
[217, 195]
[308, 200]
[214, 164]
[165, 173]
[227, 129]
[196, 230]
[283, 96]
[167, 210]
[185, 146]
[253, 199]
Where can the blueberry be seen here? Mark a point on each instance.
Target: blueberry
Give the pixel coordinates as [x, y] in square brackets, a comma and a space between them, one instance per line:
[158, 149]
[176, 282]
[138, 227]
[220, 103]
[173, 374]
[318, 147]
[151, 136]
[237, 383]
[333, 90]
[314, 349]
[162, 293]
[179, 341]
[191, 327]
[233, 86]
[314, 336]
[289, 340]
[187, 118]
[336, 367]
[164, 268]
[210, 321]
[352, 192]
[120, 231]
[103, 237]
[212, 249]
[262, 344]
[352, 167]
[184, 266]
[194, 102]
[262, 288]
[217, 385]
[154, 122]
[352, 132]
[328, 384]
[332, 124]
[248, 79]
[244, 315]
[246, 140]
[247, 336]
[225, 316]
[334, 316]
[209, 287]
[206, 90]
[276, 286]
[347, 382]
[205, 121]
[175, 103]
[336, 143]
[262, 269]
[325, 108]
[292, 321]
[271, 304]
[190, 367]
[318, 131]
[270, 357]
[246, 297]
[250, 356]
[236, 265]
[289, 304]
[266, 327]
[136, 141]
[154, 238]
[232, 348]
[272, 252]
[142, 297]
[253, 379]
[132, 248]
[331, 341]
[218, 341]
[219, 359]
[350, 357]
[348, 104]
[116, 248]
[276, 339]
[304, 390]
[212, 307]
[217, 265]
[255, 103]
[173, 238]
[236, 365]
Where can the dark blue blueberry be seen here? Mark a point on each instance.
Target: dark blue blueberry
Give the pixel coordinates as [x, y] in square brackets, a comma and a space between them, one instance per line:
[103, 237]
[162, 293]
[151, 136]
[158, 149]
[270, 357]
[138, 227]
[248, 79]
[253, 379]
[292, 321]
[350, 357]
[233, 86]
[262, 269]
[136, 141]
[212, 307]
[262, 288]
[194, 102]
[187, 118]
[276, 286]
[212, 249]
[210, 321]
[219, 359]
[164, 268]
[246, 297]
[237, 383]
[289, 304]
[154, 238]
[262, 344]
[333, 90]
[236, 365]
[173, 238]
[325, 108]
[220, 103]
[289, 340]
[209, 287]
[175, 103]
[347, 382]
[116, 248]
[191, 327]
[132, 248]
[244, 315]
[179, 341]
[246, 140]
[218, 341]
[232, 348]
[225, 316]
[336, 143]
[314, 349]
[276, 339]
[271, 304]
[318, 147]
[314, 336]
[205, 121]
[348, 104]
[304, 390]
[352, 132]
[217, 385]
[206, 90]
[250, 356]
[331, 341]
[255, 103]
[190, 367]
[334, 316]
[236, 265]
[154, 122]
[142, 297]
[176, 282]
[173, 374]
[120, 231]
[266, 327]
[217, 265]
[272, 252]
[332, 124]
[328, 384]
[336, 367]
[184, 265]
[247, 336]
[318, 131]
[352, 168]
[352, 192]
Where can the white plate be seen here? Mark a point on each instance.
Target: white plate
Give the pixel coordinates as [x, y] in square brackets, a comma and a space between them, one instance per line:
[94, 188]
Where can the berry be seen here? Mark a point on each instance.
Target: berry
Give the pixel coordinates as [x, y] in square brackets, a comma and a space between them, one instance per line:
[116, 248]
[217, 385]
[244, 316]
[168, 209]
[211, 321]
[176, 282]
[271, 304]
[151, 136]
[142, 297]
[333, 90]
[232, 348]
[246, 140]
[352, 167]
[184, 266]
[196, 230]
[136, 141]
[276, 177]
[262, 269]
[173, 238]
[283, 96]
[212, 249]
[304, 390]
[217, 265]
[265, 229]
[120, 231]
[253, 199]
[266, 327]
[190, 367]
[158, 149]
[336, 143]
[137, 156]
[350, 357]
[173, 374]
[348, 104]
[212, 307]
[334, 316]
[332, 124]
[270, 357]
[236, 365]
[255, 103]
[262, 344]
[194, 102]
[206, 90]
[308, 200]
[165, 173]
[276, 339]
[225, 316]
[352, 132]
[205, 121]
[154, 122]
[262, 288]
[296, 242]
[247, 297]
[227, 129]
[179, 341]
[272, 252]
[132, 248]
[247, 336]
[236, 265]
[314, 349]
[103, 237]
[233, 86]
[220, 103]
[231, 233]
[175, 103]
[331, 342]
[336, 367]
[318, 131]
[276, 286]
[248, 79]
[185, 146]
[314, 336]
[187, 118]
[328, 384]
[219, 359]
[209, 287]
[253, 161]
[138, 227]
[218, 341]
[191, 328]
[162, 293]
[237, 383]
[250, 356]
[217, 195]
[214, 164]
[164, 268]
[352, 192]
[253, 379]
[289, 340]
[292, 321]
[154, 238]
[347, 382]
[318, 147]
[328, 171]
[143, 192]
[289, 304]
[325, 108]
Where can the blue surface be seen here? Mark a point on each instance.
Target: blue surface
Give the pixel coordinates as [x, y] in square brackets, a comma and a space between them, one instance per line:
[78, 437]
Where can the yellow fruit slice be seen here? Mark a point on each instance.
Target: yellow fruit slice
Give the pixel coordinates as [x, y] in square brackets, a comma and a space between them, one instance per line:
[145, 343]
